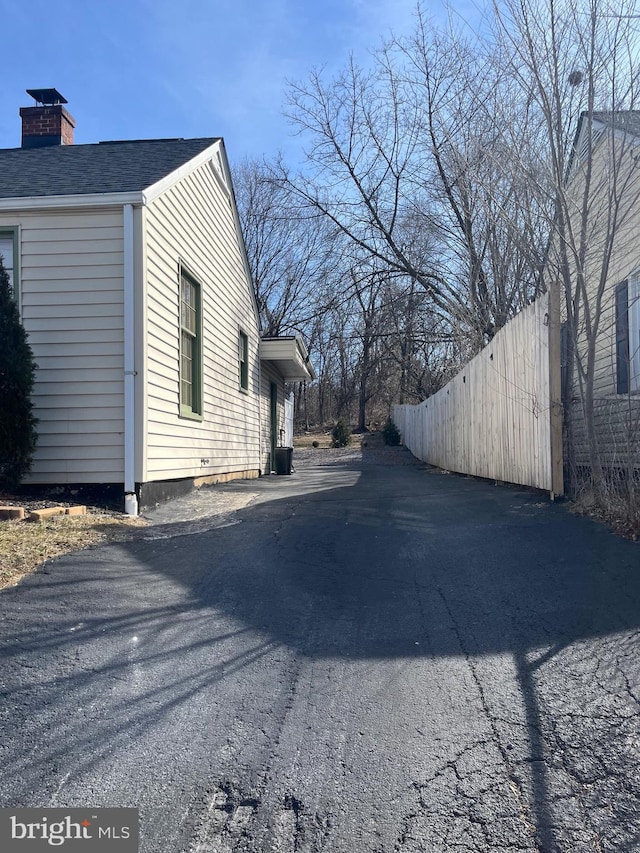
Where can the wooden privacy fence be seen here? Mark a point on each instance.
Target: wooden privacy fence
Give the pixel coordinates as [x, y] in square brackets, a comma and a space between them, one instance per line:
[501, 416]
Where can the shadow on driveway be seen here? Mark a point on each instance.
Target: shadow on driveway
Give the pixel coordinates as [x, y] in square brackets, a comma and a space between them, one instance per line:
[104, 650]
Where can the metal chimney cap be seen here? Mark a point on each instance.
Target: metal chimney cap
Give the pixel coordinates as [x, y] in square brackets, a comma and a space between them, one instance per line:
[47, 97]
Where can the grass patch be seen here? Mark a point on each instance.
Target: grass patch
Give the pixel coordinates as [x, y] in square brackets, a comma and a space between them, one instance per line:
[305, 440]
[26, 545]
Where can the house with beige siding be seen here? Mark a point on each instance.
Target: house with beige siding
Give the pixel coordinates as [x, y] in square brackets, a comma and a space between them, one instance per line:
[128, 265]
[603, 210]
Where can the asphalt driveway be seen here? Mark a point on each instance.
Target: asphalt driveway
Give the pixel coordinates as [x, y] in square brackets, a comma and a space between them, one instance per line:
[366, 656]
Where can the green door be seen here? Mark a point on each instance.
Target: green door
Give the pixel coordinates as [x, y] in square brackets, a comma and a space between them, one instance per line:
[274, 425]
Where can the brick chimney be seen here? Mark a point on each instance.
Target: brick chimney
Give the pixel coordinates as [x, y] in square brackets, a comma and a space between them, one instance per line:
[48, 123]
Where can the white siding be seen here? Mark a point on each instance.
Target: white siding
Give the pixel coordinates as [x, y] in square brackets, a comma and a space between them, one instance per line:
[625, 260]
[192, 222]
[616, 423]
[616, 418]
[71, 295]
[615, 174]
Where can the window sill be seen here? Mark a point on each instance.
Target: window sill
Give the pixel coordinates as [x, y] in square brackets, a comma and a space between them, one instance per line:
[189, 415]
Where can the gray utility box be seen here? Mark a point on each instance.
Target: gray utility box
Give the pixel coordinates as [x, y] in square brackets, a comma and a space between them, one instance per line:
[284, 460]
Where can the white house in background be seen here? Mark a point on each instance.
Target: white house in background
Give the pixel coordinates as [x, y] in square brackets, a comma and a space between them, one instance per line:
[128, 265]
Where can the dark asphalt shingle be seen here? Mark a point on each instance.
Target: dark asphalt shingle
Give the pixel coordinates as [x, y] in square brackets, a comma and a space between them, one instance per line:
[105, 167]
[627, 120]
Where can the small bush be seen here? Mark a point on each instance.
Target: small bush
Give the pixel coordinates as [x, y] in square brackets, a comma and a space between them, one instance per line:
[341, 435]
[390, 434]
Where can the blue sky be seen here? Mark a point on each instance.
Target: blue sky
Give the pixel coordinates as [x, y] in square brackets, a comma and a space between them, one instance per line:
[141, 69]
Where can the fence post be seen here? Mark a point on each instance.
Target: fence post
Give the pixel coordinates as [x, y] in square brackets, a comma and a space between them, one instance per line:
[555, 391]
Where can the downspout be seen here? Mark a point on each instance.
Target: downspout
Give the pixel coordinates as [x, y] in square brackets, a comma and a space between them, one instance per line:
[259, 403]
[130, 497]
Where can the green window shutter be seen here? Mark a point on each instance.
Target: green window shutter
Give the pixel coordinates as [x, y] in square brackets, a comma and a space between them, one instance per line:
[243, 360]
[622, 338]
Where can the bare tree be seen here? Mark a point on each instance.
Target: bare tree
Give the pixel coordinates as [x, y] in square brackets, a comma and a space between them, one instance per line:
[362, 152]
[290, 247]
[409, 162]
[421, 343]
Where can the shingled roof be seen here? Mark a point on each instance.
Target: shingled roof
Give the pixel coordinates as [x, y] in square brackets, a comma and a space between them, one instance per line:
[105, 167]
[627, 120]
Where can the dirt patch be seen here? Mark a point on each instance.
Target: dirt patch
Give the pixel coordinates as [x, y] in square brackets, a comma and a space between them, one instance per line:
[25, 545]
[617, 515]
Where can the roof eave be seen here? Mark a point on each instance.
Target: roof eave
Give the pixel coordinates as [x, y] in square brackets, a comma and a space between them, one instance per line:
[53, 202]
[289, 354]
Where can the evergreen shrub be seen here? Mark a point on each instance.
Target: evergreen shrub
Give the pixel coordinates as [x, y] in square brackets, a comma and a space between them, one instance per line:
[341, 435]
[18, 434]
[391, 434]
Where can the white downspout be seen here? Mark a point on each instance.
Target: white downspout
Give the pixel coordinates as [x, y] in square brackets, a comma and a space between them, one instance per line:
[130, 498]
[259, 403]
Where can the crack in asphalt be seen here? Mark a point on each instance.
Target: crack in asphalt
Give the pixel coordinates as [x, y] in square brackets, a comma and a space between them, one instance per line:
[524, 811]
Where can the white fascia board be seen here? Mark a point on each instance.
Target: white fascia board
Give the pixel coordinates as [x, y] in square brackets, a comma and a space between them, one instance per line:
[70, 202]
[152, 192]
[302, 349]
[303, 353]
[290, 356]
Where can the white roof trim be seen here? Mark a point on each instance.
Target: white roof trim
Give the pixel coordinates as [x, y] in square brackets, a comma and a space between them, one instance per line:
[289, 354]
[154, 190]
[51, 202]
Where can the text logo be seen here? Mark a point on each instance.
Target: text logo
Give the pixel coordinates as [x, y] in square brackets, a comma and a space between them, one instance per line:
[71, 830]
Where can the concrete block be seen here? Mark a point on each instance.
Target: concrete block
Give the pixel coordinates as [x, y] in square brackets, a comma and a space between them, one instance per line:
[11, 512]
[76, 510]
[44, 514]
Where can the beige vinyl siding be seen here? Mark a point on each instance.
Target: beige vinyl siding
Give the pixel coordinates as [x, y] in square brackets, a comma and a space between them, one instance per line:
[616, 417]
[71, 295]
[617, 430]
[625, 260]
[625, 257]
[192, 223]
